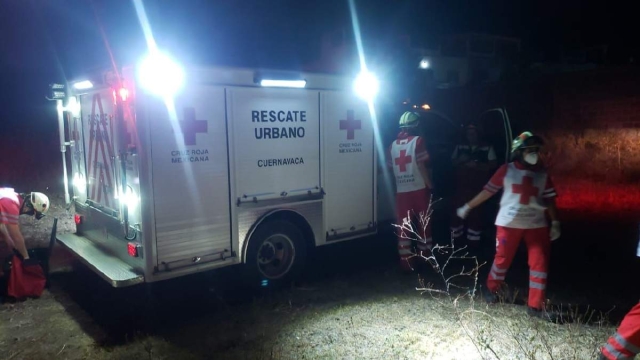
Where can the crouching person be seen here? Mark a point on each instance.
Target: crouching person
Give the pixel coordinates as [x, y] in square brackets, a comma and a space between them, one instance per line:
[27, 277]
[12, 205]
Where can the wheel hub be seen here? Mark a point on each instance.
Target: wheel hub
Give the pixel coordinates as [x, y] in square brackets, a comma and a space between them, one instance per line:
[266, 253]
[275, 256]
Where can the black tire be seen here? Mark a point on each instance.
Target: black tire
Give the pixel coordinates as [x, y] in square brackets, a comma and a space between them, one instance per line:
[276, 254]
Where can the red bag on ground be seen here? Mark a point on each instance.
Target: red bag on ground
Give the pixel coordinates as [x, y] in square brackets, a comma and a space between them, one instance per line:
[26, 278]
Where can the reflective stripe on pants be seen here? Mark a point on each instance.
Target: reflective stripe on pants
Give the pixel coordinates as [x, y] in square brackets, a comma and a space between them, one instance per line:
[457, 231]
[538, 245]
[412, 204]
[625, 343]
[473, 235]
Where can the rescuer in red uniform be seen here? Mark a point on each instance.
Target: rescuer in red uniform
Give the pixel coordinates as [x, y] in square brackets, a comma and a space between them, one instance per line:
[625, 343]
[528, 193]
[12, 205]
[474, 161]
[408, 156]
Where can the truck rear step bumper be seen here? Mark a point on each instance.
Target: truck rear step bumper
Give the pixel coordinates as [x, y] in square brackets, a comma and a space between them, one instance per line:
[115, 271]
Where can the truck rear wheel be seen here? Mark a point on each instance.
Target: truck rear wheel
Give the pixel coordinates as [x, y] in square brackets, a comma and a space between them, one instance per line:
[275, 254]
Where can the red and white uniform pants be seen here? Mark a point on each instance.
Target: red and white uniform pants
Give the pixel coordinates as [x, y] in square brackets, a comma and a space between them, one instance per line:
[413, 204]
[538, 247]
[625, 343]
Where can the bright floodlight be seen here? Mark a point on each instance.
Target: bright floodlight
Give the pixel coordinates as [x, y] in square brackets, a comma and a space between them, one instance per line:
[424, 64]
[83, 85]
[73, 106]
[160, 75]
[366, 85]
[79, 182]
[129, 199]
[283, 83]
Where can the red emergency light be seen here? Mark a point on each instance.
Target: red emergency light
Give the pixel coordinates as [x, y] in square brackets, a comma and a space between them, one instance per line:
[132, 249]
[122, 93]
[78, 219]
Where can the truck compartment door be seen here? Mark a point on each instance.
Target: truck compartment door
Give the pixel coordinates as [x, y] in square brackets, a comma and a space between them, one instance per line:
[98, 110]
[349, 166]
[78, 158]
[497, 132]
[190, 178]
[276, 144]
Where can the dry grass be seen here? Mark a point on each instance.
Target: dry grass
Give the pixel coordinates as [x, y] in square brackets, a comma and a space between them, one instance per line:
[505, 332]
[373, 314]
[377, 315]
[500, 331]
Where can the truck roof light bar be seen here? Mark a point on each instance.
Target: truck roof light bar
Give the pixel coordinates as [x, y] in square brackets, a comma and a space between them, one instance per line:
[283, 83]
[83, 85]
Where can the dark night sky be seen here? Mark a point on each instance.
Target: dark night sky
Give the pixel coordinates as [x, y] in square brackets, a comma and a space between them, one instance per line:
[45, 40]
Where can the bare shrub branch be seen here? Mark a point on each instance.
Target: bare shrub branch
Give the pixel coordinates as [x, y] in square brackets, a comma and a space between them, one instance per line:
[495, 336]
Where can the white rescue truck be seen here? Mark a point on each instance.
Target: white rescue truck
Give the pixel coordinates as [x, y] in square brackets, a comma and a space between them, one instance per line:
[182, 171]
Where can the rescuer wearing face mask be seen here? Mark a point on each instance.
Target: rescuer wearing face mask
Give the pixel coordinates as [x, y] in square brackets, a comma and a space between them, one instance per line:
[528, 193]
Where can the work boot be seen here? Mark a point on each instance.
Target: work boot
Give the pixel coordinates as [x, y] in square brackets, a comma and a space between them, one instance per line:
[503, 295]
[551, 316]
[490, 297]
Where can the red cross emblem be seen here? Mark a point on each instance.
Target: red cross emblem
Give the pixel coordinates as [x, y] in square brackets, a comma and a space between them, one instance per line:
[351, 125]
[190, 126]
[526, 190]
[403, 160]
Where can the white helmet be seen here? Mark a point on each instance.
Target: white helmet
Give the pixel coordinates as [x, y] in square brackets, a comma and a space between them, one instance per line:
[40, 203]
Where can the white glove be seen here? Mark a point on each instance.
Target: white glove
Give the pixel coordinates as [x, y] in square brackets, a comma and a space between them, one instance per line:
[555, 230]
[463, 211]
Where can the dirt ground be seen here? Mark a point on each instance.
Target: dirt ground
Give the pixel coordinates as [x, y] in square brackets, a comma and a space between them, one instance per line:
[349, 306]
[379, 316]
